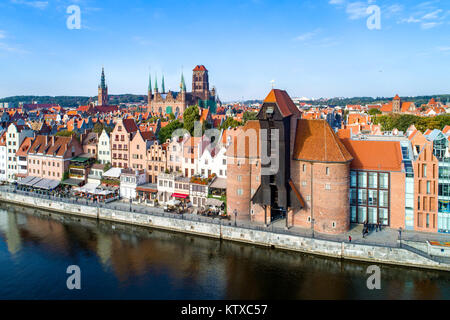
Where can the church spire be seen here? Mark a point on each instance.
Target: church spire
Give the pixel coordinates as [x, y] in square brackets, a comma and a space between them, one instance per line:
[182, 84]
[156, 83]
[150, 82]
[162, 85]
[102, 80]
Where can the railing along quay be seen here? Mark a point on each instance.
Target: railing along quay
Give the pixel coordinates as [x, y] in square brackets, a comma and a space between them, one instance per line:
[136, 208]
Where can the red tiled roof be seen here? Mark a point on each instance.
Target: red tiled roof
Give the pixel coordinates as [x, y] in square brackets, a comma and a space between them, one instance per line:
[24, 147]
[316, 141]
[200, 68]
[50, 145]
[375, 155]
[130, 125]
[284, 102]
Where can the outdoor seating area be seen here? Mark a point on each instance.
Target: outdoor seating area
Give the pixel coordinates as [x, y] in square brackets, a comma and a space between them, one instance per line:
[38, 183]
[96, 193]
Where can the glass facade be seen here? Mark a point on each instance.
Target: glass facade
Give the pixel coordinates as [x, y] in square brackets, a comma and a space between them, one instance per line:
[369, 197]
[440, 145]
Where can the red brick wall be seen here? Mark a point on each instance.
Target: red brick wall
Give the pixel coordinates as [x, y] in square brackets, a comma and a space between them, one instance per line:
[328, 205]
[397, 200]
[428, 201]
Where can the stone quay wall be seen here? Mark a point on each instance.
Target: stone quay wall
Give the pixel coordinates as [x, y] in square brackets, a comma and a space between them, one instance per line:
[335, 249]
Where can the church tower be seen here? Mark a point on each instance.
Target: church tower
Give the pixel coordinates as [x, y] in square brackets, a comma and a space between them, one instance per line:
[149, 90]
[200, 82]
[396, 104]
[103, 91]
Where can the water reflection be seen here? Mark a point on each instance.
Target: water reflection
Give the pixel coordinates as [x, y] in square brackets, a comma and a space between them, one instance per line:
[120, 261]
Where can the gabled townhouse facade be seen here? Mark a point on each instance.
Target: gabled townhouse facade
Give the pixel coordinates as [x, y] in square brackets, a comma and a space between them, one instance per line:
[14, 138]
[49, 157]
[213, 159]
[104, 148]
[3, 156]
[22, 154]
[175, 154]
[139, 145]
[156, 161]
[120, 140]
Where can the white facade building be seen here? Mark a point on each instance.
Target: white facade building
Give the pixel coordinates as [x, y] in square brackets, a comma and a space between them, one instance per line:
[129, 180]
[14, 138]
[104, 148]
[3, 156]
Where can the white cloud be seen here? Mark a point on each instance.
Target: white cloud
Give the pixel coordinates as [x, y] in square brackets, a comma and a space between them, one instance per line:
[336, 1]
[432, 15]
[35, 4]
[2, 34]
[410, 20]
[429, 25]
[307, 36]
[8, 48]
[356, 10]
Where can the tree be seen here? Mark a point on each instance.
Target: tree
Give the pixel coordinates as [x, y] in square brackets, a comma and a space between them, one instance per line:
[98, 127]
[171, 116]
[374, 111]
[230, 122]
[166, 132]
[64, 133]
[107, 167]
[190, 116]
[249, 116]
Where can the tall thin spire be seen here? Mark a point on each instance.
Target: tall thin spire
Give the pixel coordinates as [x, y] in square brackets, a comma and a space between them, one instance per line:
[102, 80]
[149, 82]
[182, 84]
[162, 85]
[156, 83]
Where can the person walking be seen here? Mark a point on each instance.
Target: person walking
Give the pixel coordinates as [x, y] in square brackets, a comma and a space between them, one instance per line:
[349, 239]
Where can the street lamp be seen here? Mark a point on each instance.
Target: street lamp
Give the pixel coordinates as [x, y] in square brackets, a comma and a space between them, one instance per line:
[235, 217]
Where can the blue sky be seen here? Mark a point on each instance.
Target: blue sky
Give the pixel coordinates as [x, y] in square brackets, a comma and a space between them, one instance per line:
[312, 48]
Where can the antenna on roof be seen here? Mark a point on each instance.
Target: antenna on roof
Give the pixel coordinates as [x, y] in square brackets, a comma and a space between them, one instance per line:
[272, 82]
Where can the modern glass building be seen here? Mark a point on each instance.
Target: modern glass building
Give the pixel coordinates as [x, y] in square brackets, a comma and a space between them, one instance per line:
[440, 150]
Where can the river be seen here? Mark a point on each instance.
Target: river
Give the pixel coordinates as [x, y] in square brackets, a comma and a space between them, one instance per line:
[126, 262]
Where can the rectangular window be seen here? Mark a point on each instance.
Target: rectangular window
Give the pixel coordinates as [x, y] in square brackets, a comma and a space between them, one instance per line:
[362, 196]
[383, 198]
[373, 195]
[424, 170]
[362, 179]
[373, 180]
[373, 215]
[428, 187]
[353, 177]
[384, 180]
[383, 216]
[362, 214]
[353, 214]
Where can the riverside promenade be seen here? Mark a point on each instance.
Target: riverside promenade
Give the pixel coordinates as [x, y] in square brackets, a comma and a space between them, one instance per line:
[378, 247]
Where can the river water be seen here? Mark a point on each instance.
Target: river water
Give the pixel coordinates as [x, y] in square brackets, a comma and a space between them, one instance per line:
[125, 262]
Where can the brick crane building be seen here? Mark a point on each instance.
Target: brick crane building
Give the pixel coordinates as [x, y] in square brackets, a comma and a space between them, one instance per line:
[282, 166]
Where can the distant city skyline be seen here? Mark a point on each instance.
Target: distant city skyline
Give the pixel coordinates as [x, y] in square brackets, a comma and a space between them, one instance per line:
[309, 48]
